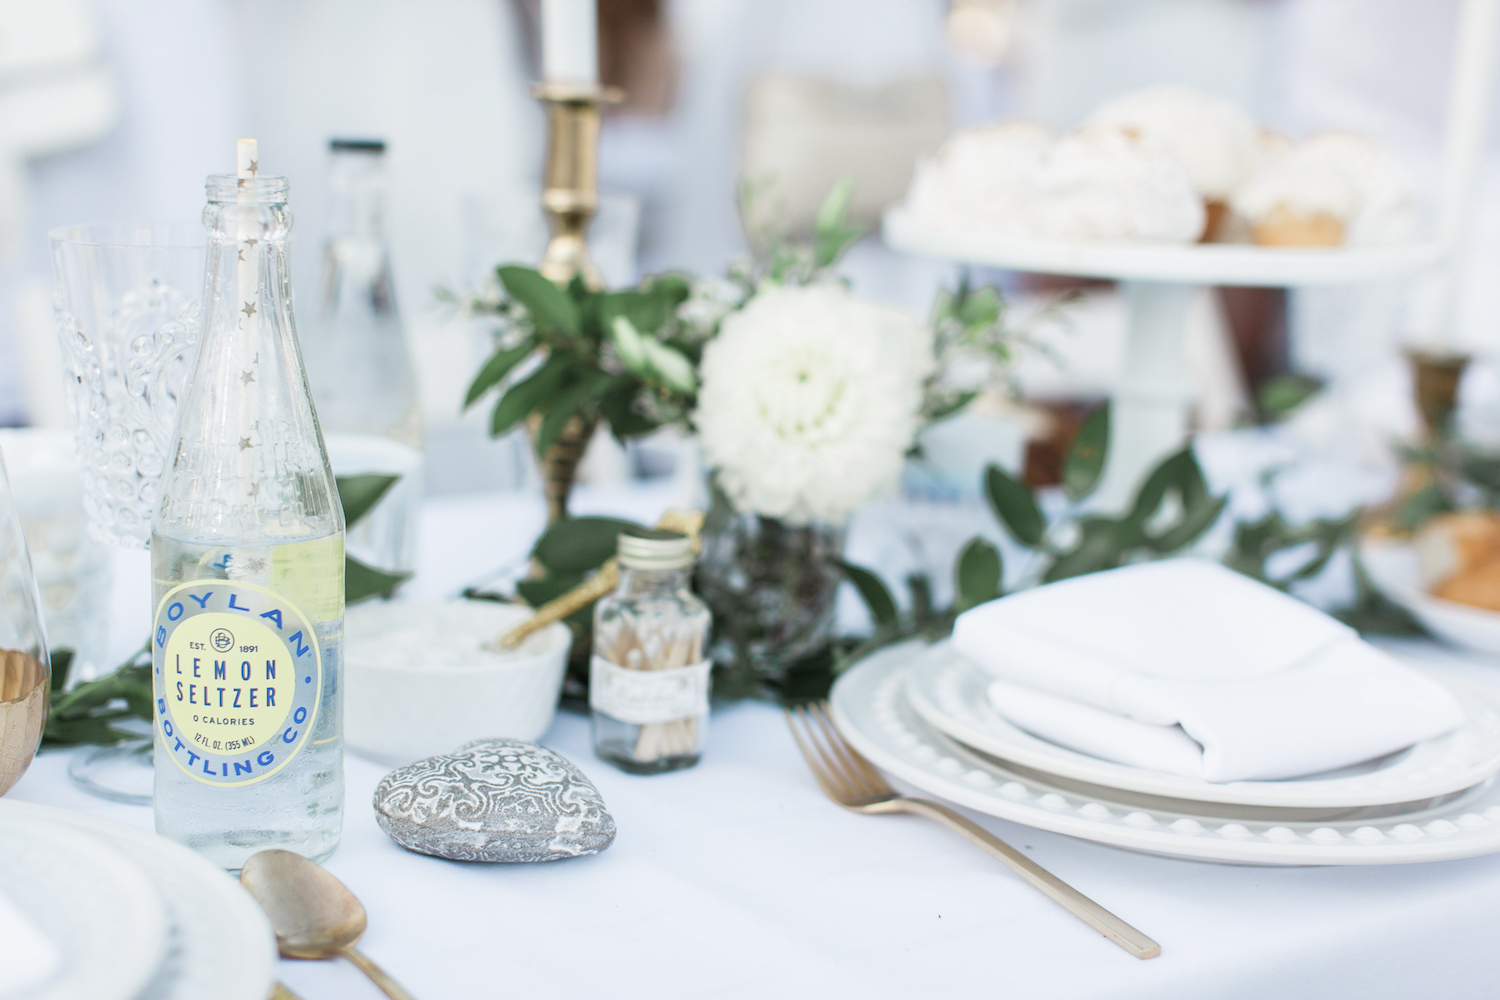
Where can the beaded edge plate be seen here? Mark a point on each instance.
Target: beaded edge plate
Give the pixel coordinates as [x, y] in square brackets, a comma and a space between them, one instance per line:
[99, 909]
[871, 710]
[950, 694]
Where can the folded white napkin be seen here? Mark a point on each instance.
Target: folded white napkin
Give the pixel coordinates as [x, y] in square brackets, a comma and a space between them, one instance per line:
[30, 958]
[1187, 667]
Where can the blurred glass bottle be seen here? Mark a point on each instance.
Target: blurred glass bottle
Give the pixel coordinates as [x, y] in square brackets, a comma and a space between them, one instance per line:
[358, 361]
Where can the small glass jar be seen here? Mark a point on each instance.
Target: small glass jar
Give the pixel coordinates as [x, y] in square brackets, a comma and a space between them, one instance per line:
[649, 675]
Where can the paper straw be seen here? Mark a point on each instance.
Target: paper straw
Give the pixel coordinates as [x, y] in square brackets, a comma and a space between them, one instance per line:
[247, 358]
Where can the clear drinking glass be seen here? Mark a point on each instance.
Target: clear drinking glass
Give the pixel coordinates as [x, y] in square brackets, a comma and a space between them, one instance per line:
[72, 568]
[25, 674]
[127, 300]
[127, 303]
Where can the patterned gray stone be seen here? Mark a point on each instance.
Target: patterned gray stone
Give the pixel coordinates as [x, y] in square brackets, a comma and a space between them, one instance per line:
[494, 800]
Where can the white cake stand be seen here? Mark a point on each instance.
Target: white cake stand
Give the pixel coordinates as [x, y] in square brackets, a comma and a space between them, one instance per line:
[1149, 406]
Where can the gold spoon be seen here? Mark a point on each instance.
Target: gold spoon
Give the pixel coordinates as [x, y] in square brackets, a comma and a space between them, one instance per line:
[313, 914]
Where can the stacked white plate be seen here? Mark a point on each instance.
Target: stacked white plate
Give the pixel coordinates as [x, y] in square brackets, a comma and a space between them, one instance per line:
[96, 910]
[921, 713]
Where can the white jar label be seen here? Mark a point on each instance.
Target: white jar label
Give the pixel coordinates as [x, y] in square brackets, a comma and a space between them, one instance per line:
[644, 696]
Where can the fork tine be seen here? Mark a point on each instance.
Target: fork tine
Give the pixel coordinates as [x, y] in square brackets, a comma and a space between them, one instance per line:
[845, 789]
[871, 779]
[838, 750]
[792, 721]
[834, 782]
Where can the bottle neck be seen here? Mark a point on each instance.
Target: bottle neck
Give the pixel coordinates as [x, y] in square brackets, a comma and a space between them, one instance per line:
[645, 583]
[240, 210]
[249, 463]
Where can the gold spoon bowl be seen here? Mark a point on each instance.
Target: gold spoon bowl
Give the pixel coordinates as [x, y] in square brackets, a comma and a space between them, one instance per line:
[314, 915]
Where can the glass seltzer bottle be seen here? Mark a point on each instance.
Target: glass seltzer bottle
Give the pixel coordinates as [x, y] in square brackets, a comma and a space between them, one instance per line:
[359, 363]
[247, 564]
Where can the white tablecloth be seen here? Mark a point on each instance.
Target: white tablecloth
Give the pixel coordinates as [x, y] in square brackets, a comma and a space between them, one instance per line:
[738, 879]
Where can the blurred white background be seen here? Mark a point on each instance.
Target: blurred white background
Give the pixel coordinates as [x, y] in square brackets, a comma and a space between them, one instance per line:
[117, 109]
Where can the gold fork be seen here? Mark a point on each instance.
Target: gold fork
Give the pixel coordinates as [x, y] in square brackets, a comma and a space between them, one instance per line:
[850, 780]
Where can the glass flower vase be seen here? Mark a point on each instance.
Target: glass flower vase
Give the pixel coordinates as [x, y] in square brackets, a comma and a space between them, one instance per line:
[771, 587]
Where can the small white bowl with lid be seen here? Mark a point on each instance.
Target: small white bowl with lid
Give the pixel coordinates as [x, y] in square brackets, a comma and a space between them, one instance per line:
[419, 681]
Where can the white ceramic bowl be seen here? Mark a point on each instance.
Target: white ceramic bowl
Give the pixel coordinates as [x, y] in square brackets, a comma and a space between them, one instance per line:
[418, 682]
[1393, 568]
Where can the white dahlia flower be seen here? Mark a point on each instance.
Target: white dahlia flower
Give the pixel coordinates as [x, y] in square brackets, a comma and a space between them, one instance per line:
[810, 398]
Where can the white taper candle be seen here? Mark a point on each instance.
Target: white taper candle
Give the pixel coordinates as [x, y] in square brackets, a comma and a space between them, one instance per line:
[1469, 101]
[570, 41]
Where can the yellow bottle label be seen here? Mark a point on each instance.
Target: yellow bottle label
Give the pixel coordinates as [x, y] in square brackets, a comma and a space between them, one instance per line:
[237, 673]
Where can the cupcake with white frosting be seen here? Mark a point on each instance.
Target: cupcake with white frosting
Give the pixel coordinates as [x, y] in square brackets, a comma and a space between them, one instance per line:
[1099, 186]
[1335, 189]
[1273, 145]
[981, 178]
[1216, 143]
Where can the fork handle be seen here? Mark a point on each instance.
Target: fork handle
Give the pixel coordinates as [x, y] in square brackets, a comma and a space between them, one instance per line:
[1090, 912]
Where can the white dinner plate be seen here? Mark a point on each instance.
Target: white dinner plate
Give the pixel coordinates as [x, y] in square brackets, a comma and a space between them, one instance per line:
[871, 709]
[220, 943]
[1395, 572]
[950, 693]
[90, 901]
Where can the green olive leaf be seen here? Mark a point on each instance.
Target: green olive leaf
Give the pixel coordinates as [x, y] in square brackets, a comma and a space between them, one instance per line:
[671, 367]
[496, 368]
[977, 575]
[579, 544]
[1014, 504]
[874, 593]
[527, 395]
[1085, 462]
[549, 306]
[358, 494]
[362, 581]
[629, 344]
[588, 385]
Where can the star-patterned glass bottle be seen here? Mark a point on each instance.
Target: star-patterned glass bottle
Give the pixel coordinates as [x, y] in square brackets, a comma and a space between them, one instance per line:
[247, 554]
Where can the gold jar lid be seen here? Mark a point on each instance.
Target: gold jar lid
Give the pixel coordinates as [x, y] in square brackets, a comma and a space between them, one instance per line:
[655, 548]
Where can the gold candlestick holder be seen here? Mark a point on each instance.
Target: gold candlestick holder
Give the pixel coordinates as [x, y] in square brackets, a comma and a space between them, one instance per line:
[1435, 380]
[570, 183]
